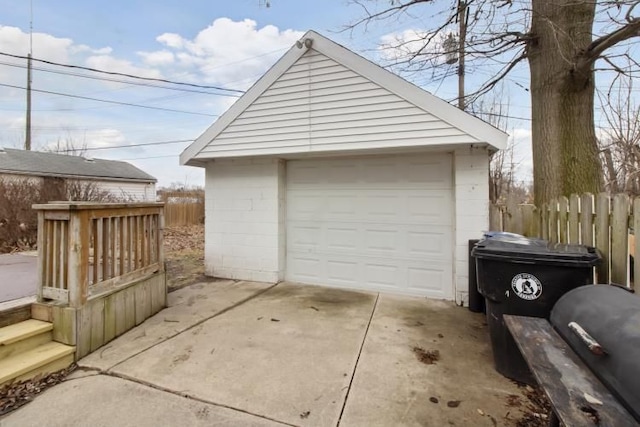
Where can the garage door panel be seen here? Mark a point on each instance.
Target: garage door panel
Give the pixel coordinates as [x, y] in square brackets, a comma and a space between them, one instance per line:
[343, 272]
[381, 240]
[405, 241]
[341, 238]
[308, 269]
[426, 280]
[382, 276]
[305, 237]
[371, 223]
[371, 206]
[428, 244]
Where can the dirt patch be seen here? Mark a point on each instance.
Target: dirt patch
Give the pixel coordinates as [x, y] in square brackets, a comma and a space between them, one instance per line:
[184, 256]
[428, 357]
[14, 395]
[536, 409]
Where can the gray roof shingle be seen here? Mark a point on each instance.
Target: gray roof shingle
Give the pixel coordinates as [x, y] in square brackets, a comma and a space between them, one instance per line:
[50, 164]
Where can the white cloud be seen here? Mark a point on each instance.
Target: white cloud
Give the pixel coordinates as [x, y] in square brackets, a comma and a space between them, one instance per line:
[171, 40]
[13, 40]
[228, 52]
[158, 58]
[110, 63]
[225, 53]
[401, 46]
[80, 48]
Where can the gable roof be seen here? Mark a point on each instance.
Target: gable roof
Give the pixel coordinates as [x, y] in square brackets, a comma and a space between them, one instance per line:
[479, 130]
[36, 163]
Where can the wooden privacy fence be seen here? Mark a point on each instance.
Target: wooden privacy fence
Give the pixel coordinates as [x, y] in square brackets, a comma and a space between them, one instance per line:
[86, 248]
[183, 207]
[604, 221]
[177, 214]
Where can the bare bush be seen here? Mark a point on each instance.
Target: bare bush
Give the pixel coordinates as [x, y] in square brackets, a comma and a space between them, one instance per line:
[90, 192]
[18, 221]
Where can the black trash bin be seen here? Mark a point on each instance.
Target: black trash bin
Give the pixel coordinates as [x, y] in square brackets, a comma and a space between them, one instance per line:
[525, 277]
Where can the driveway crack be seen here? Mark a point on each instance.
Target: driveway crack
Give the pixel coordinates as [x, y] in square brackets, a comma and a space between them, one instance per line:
[189, 396]
[355, 368]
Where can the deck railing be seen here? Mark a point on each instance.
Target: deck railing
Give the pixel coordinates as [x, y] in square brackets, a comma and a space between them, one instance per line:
[85, 249]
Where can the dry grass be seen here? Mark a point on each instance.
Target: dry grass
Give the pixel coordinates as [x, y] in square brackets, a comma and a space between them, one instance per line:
[184, 255]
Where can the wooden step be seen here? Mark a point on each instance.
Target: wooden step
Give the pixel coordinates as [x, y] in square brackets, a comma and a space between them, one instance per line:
[23, 330]
[46, 358]
[23, 336]
[15, 311]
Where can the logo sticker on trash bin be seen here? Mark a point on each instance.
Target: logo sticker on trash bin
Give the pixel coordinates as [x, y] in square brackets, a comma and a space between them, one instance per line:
[526, 286]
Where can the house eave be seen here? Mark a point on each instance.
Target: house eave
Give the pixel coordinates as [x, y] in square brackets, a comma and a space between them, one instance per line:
[72, 176]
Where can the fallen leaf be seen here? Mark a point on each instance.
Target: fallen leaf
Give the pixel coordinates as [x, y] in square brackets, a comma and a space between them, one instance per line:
[453, 403]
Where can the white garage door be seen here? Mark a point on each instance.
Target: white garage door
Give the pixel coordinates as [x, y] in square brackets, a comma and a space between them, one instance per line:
[376, 223]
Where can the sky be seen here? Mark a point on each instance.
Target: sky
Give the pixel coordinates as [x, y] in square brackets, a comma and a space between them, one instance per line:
[223, 44]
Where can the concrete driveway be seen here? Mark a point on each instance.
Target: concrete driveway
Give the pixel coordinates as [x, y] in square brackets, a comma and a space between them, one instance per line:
[240, 353]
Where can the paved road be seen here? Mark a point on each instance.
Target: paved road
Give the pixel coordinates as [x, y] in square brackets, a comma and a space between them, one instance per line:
[17, 275]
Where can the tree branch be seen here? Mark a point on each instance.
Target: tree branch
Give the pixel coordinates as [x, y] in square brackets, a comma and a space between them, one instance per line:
[597, 48]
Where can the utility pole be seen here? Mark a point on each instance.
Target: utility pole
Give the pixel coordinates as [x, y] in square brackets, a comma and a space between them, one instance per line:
[462, 21]
[27, 137]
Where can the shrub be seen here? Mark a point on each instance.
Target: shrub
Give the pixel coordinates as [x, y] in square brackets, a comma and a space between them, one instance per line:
[19, 222]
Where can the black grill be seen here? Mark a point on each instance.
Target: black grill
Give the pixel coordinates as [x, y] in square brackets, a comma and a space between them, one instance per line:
[601, 324]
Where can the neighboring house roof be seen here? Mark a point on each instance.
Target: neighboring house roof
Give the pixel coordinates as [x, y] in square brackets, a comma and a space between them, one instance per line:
[36, 163]
[312, 44]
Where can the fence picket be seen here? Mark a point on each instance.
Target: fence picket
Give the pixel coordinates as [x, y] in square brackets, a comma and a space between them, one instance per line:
[574, 219]
[606, 222]
[602, 236]
[586, 219]
[563, 210]
[544, 221]
[619, 239]
[553, 222]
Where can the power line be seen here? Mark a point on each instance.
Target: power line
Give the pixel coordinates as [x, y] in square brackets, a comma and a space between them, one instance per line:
[132, 76]
[85, 76]
[128, 104]
[145, 144]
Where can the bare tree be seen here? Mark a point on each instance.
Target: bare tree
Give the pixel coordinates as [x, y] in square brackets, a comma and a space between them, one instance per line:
[557, 39]
[503, 183]
[620, 143]
[68, 145]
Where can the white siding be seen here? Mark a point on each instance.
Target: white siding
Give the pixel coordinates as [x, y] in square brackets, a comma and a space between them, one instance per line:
[16, 177]
[244, 219]
[134, 191]
[129, 191]
[471, 175]
[321, 105]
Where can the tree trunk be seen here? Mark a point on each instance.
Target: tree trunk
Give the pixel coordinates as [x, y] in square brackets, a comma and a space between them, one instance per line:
[565, 149]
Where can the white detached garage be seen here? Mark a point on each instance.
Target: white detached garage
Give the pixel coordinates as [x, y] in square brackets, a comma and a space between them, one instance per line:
[333, 171]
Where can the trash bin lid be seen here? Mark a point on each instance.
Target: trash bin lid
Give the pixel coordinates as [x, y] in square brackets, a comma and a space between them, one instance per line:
[520, 249]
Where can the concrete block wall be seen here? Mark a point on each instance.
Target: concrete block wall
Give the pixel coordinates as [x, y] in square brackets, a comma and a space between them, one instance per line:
[244, 225]
[471, 187]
